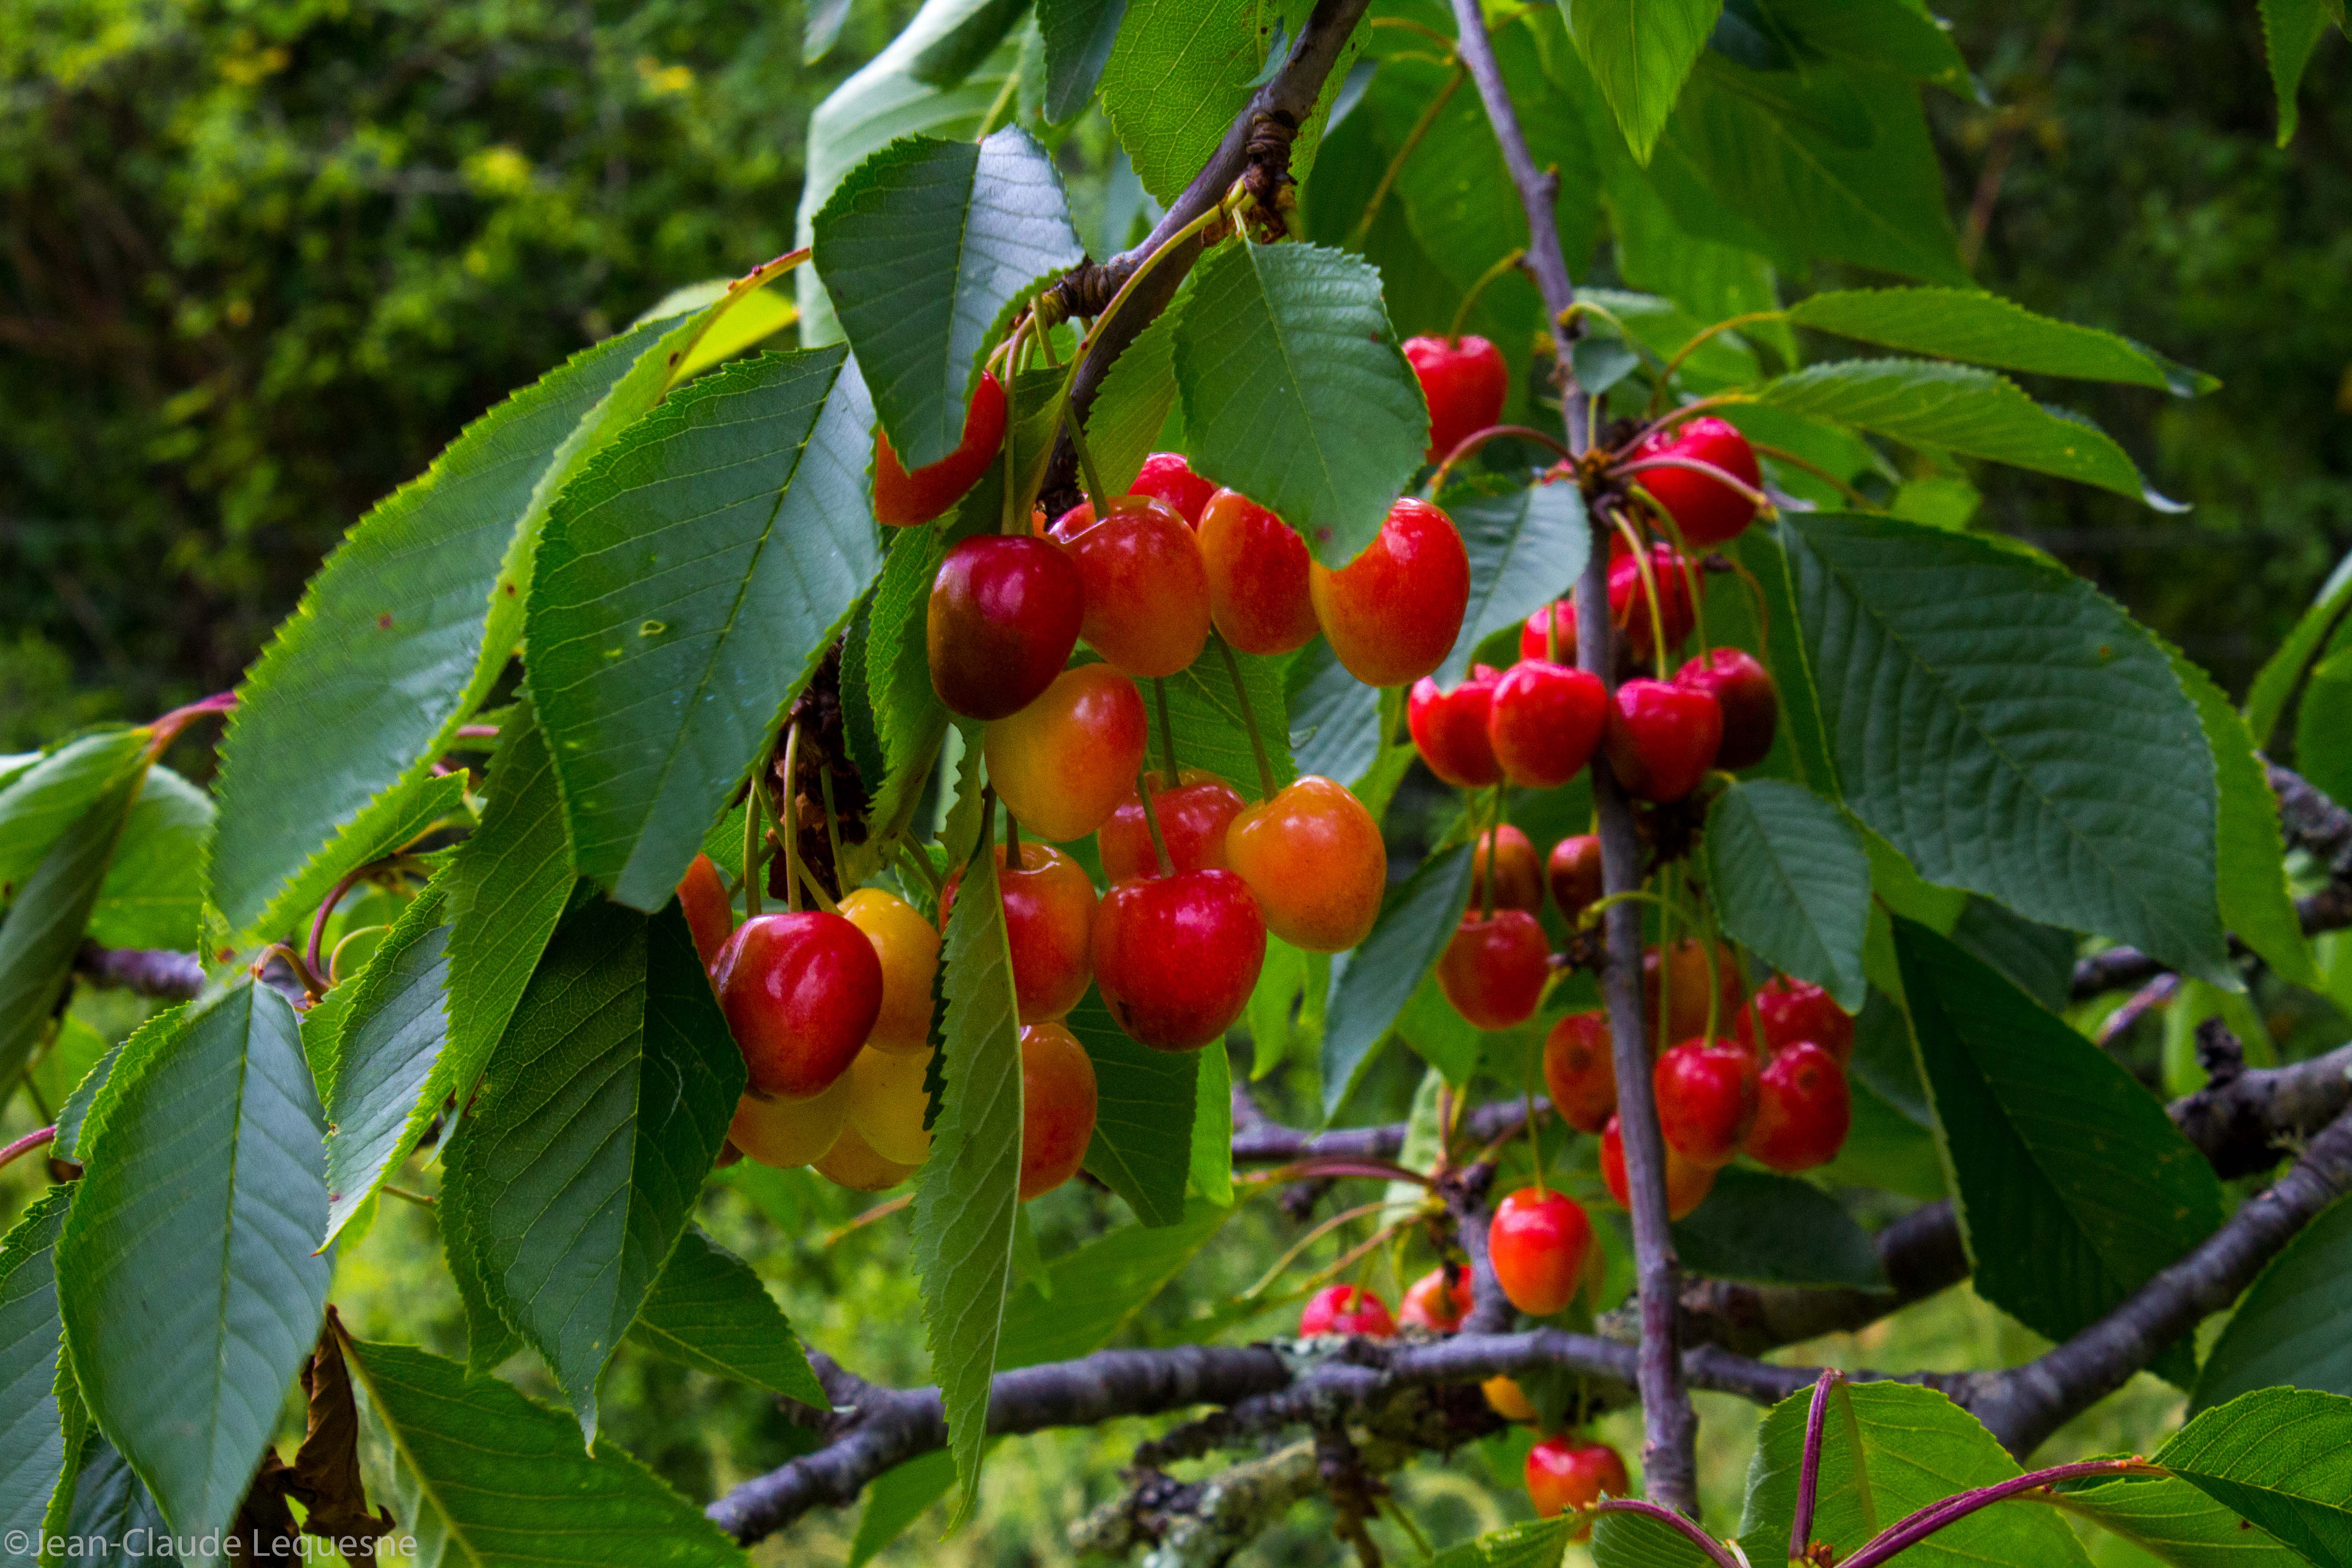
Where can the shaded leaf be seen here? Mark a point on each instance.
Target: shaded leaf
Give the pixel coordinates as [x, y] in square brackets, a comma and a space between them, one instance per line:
[1211, 1173]
[43, 927]
[1642, 1541]
[1790, 882]
[1210, 730]
[2174, 1523]
[2291, 31]
[956, 53]
[1124, 425]
[386, 1077]
[1145, 1105]
[2294, 1326]
[2280, 1457]
[709, 1311]
[1372, 983]
[154, 890]
[2257, 904]
[1099, 1289]
[54, 791]
[1078, 38]
[1335, 719]
[32, 1432]
[2275, 683]
[1984, 329]
[1770, 1229]
[1641, 54]
[1526, 548]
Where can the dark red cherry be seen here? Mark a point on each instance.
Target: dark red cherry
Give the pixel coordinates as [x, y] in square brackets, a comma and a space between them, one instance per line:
[1168, 476]
[1802, 1110]
[1004, 616]
[1708, 510]
[1493, 970]
[1544, 721]
[1707, 1096]
[1794, 1010]
[902, 499]
[800, 992]
[1449, 729]
[1661, 738]
[1743, 688]
[1519, 880]
[1574, 871]
[1580, 1069]
[1463, 381]
[1177, 957]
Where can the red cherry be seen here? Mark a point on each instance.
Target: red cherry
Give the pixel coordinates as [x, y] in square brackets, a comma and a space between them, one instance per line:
[1147, 591]
[1544, 721]
[1392, 612]
[1743, 688]
[1168, 476]
[1345, 1309]
[1314, 861]
[1062, 764]
[1802, 1110]
[1257, 567]
[1449, 729]
[1574, 871]
[1004, 615]
[1194, 817]
[1580, 1067]
[1708, 510]
[1539, 1240]
[1795, 1010]
[1463, 381]
[1437, 1301]
[1494, 970]
[1049, 924]
[1684, 991]
[800, 992]
[1629, 598]
[1564, 1473]
[1519, 884]
[1707, 1098]
[1177, 957]
[1687, 1184]
[710, 914]
[1533, 642]
[1661, 739]
[902, 499]
[1057, 1107]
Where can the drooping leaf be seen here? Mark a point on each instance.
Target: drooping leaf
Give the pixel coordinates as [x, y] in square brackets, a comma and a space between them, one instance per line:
[52, 793]
[1641, 54]
[1078, 38]
[2275, 683]
[188, 1274]
[1145, 1104]
[106, 1504]
[709, 1311]
[1904, 36]
[387, 1076]
[910, 720]
[1213, 1127]
[1099, 1287]
[1372, 983]
[1123, 428]
[2295, 1325]
[1792, 882]
[2257, 905]
[1526, 548]
[32, 1432]
[1762, 552]
[897, 1500]
[2323, 749]
[2039, 959]
[492, 1336]
[1984, 329]
[1439, 1036]
[2175, 1523]
[154, 887]
[74, 1114]
[1768, 1229]
[2291, 31]
[956, 53]
[43, 927]
[2282, 1460]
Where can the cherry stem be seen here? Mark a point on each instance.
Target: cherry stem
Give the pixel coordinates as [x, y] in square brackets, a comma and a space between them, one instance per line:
[1646, 571]
[1782, 455]
[1686, 562]
[1494, 853]
[421, 1200]
[789, 827]
[166, 729]
[1909, 1532]
[1096, 496]
[310, 957]
[1167, 731]
[1658, 391]
[1345, 1216]
[755, 821]
[1674, 417]
[832, 823]
[27, 1144]
[1673, 1520]
[1267, 787]
[1151, 821]
[1462, 311]
[1667, 910]
[1630, 896]
[1412, 140]
[1808, 1475]
[1011, 524]
[1477, 438]
[1535, 1133]
[1709, 940]
[1756, 595]
[1697, 465]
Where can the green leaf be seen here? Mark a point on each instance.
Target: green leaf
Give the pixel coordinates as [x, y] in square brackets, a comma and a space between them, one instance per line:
[1792, 882]
[387, 1073]
[2322, 749]
[1641, 54]
[2275, 683]
[709, 1311]
[43, 800]
[2011, 732]
[1099, 1289]
[1078, 38]
[2174, 1523]
[1335, 719]
[483, 1476]
[1295, 393]
[1642, 1541]
[2280, 1457]
[43, 927]
[897, 1498]
[32, 1432]
[1903, 37]
[2291, 31]
[604, 1105]
[1760, 550]
[1145, 1105]
[1984, 329]
[1207, 719]
[106, 1503]
[2071, 1184]
[2039, 959]
[1769, 1229]
[492, 1336]
[2295, 1325]
[1213, 1127]
[2256, 902]
[154, 887]
[1439, 1036]
[1537, 1543]
[821, 29]
[1970, 411]
[687, 585]
[1526, 548]
[1372, 983]
[73, 1116]
[189, 1274]
[1124, 425]
[908, 718]
[956, 54]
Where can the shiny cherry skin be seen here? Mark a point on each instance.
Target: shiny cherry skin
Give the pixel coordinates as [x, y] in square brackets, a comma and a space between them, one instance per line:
[1392, 612]
[1177, 957]
[1519, 880]
[1544, 720]
[883, 1095]
[1574, 872]
[901, 500]
[1257, 567]
[1057, 1107]
[800, 992]
[851, 1162]
[1063, 763]
[1705, 1093]
[1708, 510]
[1168, 476]
[1449, 729]
[1539, 1240]
[1580, 1069]
[1684, 988]
[1194, 818]
[909, 948]
[1345, 1309]
[1793, 1010]
[1506, 1399]
[1146, 590]
[1661, 739]
[1436, 1302]
[1004, 615]
[788, 1133]
[1049, 924]
[1629, 599]
[1743, 688]
[1463, 381]
[1494, 970]
[1314, 861]
[1566, 1473]
[1535, 643]
[1687, 1184]
[1803, 1109]
[710, 913]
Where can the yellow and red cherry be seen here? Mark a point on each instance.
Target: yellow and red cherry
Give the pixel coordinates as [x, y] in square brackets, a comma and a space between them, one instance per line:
[1518, 880]
[1803, 1109]
[1177, 957]
[853, 1163]
[1687, 1184]
[1661, 739]
[1743, 688]
[710, 914]
[1257, 567]
[1534, 641]
[1539, 1240]
[788, 1133]
[1345, 1309]
[1062, 764]
[1567, 1473]
[1004, 615]
[1579, 1069]
[1506, 1399]
[1682, 968]
[1449, 729]
[1708, 510]
[1544, 721]
[1437, 1301]
[1392, 612]
[1629, 598]
[1057, 1107]
[800, 991]
[1314, 860]
[1793, 1010]
[1574, 872]
[882, 1094]
[1049, 924]
[902, 499]
[1705, 1093]
[1168, 476]
[1463, 380]
[909, 948]
[1146, 588]
[1194, 820]
[1495, 968]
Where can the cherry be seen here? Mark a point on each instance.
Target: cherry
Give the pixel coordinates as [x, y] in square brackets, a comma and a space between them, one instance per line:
[1793, 1010]
[1705, 1093]
[1687, 1184]
[1345, 1309]
[1004, 615]
[1708, 510]
[1049, 924]
[710, 914]
[1146, 591]
[1629, 597]
[1544, 720]
[800, 992]
[1177, 957]
[788, 1133]
[1463, 380]
[1802, 1110]
[883, 1095]
[1506, 1399]
[1533, 644]
[1579, 1070]
[1519, 881]
[1686, 999]
[1194, 818]
[902, 499]
[1436, 1302]
[851, 1162]
[1449, 729]
[1493, 970]
[1564, 1473]
[1057, 1107]
[909, 948]
[1743, 688]
[1539, 1240]
[1574, 871]
[1392, 612]
[1314, 860]
[1661, 739]
[1062, 764]
[1168, 476]
[1257, 568]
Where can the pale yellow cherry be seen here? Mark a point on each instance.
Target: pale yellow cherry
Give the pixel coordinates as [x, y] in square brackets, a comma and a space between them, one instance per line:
[851, 1162]
[885, 1095]
[908, 947]
[787, 1132]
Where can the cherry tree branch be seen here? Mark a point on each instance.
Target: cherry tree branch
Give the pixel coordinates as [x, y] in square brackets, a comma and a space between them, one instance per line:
[150, 972]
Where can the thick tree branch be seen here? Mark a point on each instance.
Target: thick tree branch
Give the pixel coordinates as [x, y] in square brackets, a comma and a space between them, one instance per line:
[150, 972]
